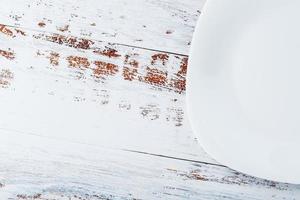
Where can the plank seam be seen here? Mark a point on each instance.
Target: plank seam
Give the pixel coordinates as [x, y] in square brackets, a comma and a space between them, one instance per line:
[112, 43]
[174, 158]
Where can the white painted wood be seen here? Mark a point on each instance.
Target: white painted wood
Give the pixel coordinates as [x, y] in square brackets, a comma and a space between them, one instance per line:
[65, 133]
[88, 132]
[157, 24]
[33, 166]
[69, 102]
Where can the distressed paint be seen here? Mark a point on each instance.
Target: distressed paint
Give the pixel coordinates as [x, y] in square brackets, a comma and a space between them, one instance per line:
[165, 25]
[57, 169]
[80, 116]
[161, 69]
[66, 74]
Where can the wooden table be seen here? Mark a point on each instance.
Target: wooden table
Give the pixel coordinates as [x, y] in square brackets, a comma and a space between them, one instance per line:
[92, 105]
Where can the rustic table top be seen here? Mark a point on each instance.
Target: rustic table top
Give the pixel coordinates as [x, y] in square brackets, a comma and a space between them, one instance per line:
[93, 105]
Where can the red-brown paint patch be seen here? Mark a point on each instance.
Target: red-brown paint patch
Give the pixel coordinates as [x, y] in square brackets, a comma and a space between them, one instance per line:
[6, 31]
[160, 57]
[5, 78]
[129, 74]
[179, 82]
[130, 70]
[7, 54]
[131, 62]
[42, 24]
[78, 62]
[75, 42]
[109, 52]
[183, 67]
[104, 69]
[54, 58]
[78, 43]
[156, 77]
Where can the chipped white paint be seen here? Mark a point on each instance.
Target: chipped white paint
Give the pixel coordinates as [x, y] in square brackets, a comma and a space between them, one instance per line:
[114, 132]
[48, 168]
[110, 111]
[157, 24]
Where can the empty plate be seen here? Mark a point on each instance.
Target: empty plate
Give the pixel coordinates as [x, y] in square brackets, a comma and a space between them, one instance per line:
[243, 86]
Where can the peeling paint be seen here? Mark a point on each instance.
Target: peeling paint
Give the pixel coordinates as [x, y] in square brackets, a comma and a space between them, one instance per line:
[179, 82]
[10, 55]
[109, 52]
[163, 57]
[6, 31]
[78, 43]
[155, 77]
[130, 69]
[6, 76]
[78, 62]
[129, 74]
[42, 24]
[183, 67]
[54, 59]
[104, 69]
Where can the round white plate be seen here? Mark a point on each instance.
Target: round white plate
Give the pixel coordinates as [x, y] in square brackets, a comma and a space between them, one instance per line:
[243, 86]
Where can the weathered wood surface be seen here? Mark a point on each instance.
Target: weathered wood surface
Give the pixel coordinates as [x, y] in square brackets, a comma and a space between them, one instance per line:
[86, 119]
[95, 93]
[157, 24]
[40, 168]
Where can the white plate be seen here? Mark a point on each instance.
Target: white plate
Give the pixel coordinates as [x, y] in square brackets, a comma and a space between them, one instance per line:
[243, 86]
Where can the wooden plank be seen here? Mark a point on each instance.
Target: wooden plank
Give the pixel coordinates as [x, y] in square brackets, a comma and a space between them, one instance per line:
[38, 168]
[95, 93]
[85, 119]
[58, 140]
[165, 25]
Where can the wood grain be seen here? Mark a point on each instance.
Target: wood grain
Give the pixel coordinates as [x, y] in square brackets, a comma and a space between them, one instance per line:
[93, 105]
[73, 125]
[112, 95]
[165, 25]
[39, 168]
